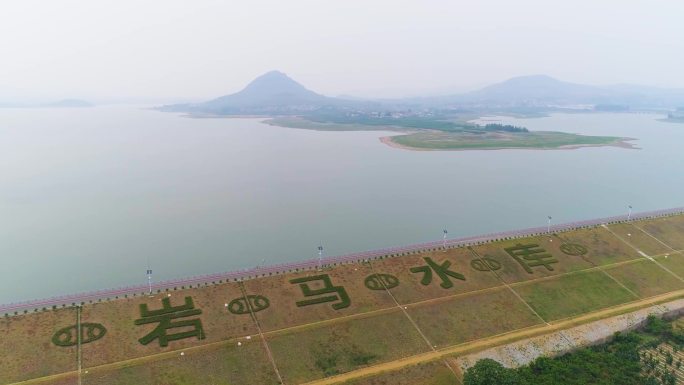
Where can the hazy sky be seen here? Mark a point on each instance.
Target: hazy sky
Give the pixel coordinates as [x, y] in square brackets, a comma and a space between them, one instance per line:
[200, 48]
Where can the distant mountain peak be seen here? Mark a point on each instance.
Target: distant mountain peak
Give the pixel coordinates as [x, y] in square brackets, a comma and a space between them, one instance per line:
[273, 93]
[533, 79]
[536, 88]
[274, 82]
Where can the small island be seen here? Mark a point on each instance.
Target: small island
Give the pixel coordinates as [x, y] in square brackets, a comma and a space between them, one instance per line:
[426, 134]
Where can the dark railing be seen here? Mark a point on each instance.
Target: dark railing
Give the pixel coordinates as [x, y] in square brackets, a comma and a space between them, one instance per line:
[238, 275]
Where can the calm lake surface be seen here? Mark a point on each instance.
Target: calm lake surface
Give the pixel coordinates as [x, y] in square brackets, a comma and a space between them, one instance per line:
[89, 196]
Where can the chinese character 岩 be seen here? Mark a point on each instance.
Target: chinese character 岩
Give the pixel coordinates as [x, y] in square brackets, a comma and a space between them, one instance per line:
[165, 317]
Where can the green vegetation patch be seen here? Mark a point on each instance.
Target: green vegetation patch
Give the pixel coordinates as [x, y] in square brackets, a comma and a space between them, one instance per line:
[435, 140]
[336, 348]
[297, 122]
[669, 230]
[438, 123]
[649, 357]
[603, 247]
[573, 294]
[673, 262]
[645, 278]
[448, 322]
[639, 239]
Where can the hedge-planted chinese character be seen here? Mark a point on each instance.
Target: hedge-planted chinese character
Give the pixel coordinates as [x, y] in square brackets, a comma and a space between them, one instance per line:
[442, 271]
[531, 255]
[165, 318]
[338, 292]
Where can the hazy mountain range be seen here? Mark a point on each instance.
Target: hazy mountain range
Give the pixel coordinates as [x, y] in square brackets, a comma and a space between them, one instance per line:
[276, 93]
[64, 103]
[542, 90]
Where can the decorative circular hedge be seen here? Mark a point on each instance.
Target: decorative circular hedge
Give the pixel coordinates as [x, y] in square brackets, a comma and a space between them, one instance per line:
[240, 305]
[381, 281]
[485, 264]
[68, 336]
[573, 249]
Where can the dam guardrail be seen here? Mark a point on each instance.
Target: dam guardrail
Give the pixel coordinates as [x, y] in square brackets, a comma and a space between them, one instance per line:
[310, 264]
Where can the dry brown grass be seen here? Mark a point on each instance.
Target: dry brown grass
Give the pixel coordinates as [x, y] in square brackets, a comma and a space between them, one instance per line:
[26, 347]
[465, 318]
[431, 373]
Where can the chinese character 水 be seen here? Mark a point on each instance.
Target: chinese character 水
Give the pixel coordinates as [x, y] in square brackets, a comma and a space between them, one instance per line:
[442, 271]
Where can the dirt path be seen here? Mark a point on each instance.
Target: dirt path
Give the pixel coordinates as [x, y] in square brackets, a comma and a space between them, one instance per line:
[261, 334]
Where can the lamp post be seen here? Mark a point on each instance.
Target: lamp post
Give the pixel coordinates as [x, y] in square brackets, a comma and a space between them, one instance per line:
[629, 213]
[320, 258]
[548, 225]
[149, 277]
[444, 239]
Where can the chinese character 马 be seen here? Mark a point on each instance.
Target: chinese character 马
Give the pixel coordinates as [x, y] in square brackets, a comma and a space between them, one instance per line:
[165, 316]
[338, 292]
[442, 271]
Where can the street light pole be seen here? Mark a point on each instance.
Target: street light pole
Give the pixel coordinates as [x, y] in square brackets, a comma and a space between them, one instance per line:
[629, 213]
[444, 239]
[79, 342]
[149, 277]
[149, 280]
[548, 226]
[320, 258]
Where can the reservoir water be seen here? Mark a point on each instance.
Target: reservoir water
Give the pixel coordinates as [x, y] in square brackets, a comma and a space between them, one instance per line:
[90, 197]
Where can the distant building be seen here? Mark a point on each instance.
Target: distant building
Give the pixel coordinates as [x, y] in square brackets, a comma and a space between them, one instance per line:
[678, 114]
